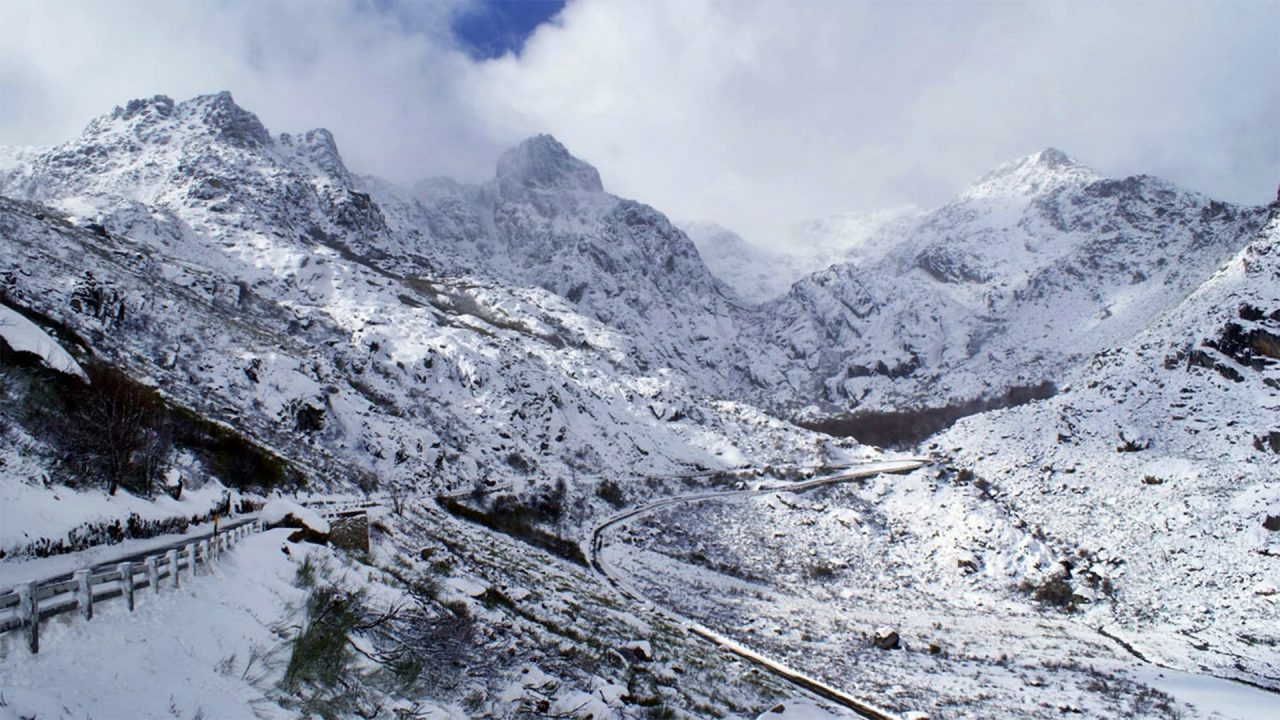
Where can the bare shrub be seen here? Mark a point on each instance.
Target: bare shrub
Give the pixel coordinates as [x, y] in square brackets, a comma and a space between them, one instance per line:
[115, 431]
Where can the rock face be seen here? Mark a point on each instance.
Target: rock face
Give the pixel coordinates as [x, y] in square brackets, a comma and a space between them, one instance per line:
[1026, 274]
[260, 283]
[351, 532]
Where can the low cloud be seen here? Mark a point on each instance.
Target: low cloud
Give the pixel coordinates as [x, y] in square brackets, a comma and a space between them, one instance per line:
[386, 79]
[759, 114]
[756, 115]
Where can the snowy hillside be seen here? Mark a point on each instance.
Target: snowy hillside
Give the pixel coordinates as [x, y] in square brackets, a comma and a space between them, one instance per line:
[1161, 461]
[245, 275]
[1032, 269]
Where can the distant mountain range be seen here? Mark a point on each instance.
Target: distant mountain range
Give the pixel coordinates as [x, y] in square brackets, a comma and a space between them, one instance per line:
[1031, 270]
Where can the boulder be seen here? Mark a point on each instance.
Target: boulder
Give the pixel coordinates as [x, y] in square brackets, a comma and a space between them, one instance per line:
[284, 513]
[638, 650]
[886, 639]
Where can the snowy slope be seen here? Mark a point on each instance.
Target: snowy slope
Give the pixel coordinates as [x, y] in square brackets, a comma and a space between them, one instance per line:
[1162, 456]
[1032, 269]
[248, 277]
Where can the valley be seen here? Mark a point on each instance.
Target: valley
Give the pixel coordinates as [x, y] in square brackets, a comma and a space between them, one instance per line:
[977, 465]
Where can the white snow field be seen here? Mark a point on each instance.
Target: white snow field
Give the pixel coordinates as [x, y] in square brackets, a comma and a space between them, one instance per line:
[25, 336]
[183, 653]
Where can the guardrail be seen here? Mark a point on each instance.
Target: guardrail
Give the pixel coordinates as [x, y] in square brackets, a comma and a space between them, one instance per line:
[341, 507]
[28, 604]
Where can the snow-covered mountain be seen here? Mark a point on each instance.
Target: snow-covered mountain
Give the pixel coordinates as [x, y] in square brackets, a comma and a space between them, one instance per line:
[256, 282]
[1158, 466]
[535, 328]
[1035, 267]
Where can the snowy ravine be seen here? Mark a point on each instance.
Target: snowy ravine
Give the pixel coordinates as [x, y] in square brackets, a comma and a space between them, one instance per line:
[536, 339]
[1124, 531]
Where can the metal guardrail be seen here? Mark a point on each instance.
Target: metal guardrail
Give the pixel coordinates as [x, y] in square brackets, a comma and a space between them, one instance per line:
[28, 604]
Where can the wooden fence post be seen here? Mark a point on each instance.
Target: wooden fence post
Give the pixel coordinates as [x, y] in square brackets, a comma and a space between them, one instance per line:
[191, 555]
[126, 583]
[84, 592]
[173, 568]
[153, 572]
[29, 611]
[204, 552]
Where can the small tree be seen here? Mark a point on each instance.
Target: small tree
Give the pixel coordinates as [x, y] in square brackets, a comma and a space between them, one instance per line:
[115, 430]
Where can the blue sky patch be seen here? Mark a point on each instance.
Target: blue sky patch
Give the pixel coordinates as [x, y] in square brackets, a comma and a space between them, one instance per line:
[492, 28]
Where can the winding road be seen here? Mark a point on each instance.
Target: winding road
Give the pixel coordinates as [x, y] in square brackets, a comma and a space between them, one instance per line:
[795, 677]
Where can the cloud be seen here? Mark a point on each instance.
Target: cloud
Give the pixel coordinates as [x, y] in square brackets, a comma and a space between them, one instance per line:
[754, 114]
[386, 79]
[759, 114]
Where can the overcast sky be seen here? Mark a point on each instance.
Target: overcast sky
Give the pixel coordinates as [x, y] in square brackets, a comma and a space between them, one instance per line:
[752, 114]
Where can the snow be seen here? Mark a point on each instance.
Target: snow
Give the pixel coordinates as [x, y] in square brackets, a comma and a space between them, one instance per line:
[25, 336]
[453, 337]
[1212, 697]
[469, 588]
[29, 510]
[277, 509]
[182, 651]
[800, 709]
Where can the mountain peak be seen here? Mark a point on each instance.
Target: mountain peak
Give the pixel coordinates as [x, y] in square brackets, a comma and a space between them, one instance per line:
[216, 114]
[160, 105]
[542, 163]
[231, 122]
[319, 147]
[1053, 157]
[1034, 174]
